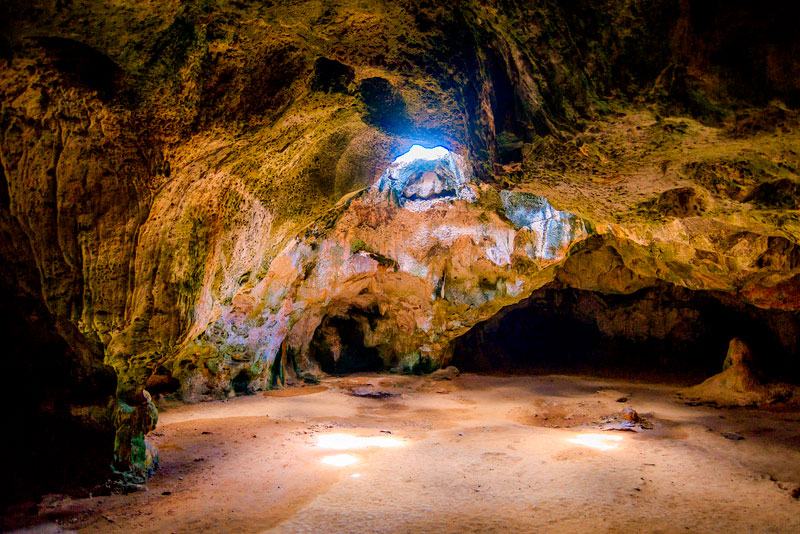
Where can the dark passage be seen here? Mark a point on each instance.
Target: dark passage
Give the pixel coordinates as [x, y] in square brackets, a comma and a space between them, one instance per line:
[338, 346]
[241, 382]
[59, 434]
[659, 333]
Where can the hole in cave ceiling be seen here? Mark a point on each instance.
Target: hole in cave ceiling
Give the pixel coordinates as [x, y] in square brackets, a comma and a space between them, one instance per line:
[424, 176]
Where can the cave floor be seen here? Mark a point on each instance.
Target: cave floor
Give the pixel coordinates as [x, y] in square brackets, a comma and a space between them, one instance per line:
[478, 453]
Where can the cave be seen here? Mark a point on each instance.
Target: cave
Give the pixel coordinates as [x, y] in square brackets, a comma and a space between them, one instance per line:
[241, 382]
[400, 266]
[662, 333]
[338, 347]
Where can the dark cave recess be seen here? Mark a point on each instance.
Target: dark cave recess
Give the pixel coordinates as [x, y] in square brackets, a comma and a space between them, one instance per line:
[339, 348]
[659, 333]
[60, 434]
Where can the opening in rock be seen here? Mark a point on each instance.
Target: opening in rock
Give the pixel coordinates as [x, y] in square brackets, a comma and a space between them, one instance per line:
[422, 176]
[162, 383]
[84, 65]
[338, 346]
[241, 382]
[659, 333]
[51, 445]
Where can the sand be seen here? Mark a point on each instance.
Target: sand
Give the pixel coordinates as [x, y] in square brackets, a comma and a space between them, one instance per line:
[478, 453]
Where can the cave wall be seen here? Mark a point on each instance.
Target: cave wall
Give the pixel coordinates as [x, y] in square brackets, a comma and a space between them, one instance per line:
[60, 428]
[186, 190]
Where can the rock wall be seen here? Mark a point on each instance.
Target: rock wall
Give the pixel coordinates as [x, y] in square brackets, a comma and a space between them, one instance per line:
[420, 270]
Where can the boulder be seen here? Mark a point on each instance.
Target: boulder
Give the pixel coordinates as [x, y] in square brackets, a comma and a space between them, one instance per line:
[448, 373]
[630, 415]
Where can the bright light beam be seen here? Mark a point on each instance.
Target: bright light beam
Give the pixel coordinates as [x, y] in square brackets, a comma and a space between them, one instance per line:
[417, 152]
[602, 442]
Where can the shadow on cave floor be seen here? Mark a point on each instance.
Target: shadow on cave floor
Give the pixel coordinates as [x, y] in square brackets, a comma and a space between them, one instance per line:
[661, 334]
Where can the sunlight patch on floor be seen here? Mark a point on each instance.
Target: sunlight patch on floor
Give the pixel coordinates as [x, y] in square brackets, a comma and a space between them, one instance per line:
[339, 460]
[349, 442]
[601, 442]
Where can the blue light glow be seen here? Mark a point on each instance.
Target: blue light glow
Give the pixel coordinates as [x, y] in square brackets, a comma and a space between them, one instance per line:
[423, 177]
[553, 230]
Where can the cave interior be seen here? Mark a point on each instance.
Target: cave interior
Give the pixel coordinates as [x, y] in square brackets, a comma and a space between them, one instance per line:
[255, 254]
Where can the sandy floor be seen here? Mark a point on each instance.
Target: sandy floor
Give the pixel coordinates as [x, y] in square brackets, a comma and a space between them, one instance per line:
[475, 454]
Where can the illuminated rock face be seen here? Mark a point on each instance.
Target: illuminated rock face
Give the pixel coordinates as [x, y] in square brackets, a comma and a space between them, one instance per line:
[396, 278]
[552, 229]
[409, 264]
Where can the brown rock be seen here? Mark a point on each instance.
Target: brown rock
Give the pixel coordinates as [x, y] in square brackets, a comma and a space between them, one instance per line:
[448, 373]
[681, 202]
[630, 415]
[738, 354]
[737, 384]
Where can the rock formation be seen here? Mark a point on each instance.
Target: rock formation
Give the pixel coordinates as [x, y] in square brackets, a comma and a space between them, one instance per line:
[738, 384]
[206, 198]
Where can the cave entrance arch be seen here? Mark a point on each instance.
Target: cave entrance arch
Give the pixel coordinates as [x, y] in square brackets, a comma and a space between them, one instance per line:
[339, 347]
[241, 382]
